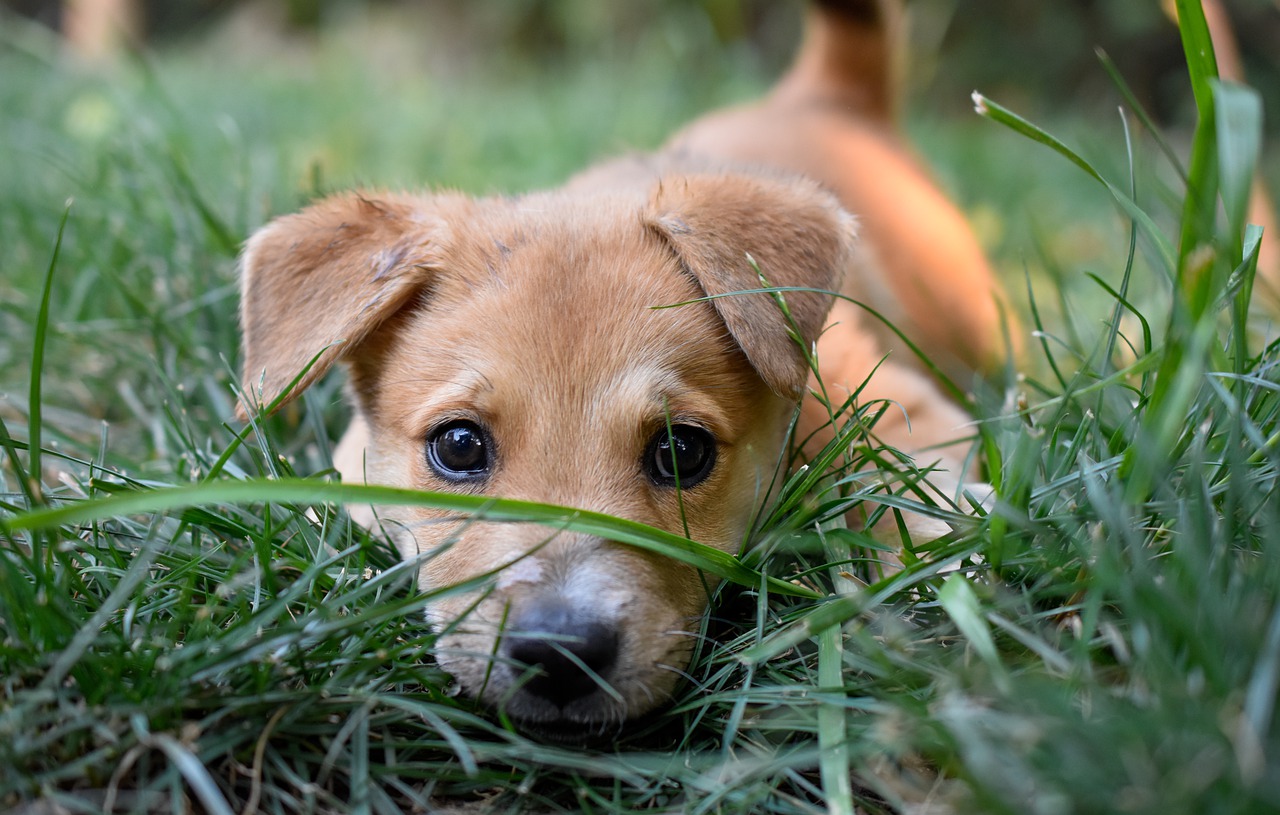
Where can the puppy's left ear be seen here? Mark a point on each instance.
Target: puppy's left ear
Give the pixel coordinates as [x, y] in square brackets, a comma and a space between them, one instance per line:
[797, 233]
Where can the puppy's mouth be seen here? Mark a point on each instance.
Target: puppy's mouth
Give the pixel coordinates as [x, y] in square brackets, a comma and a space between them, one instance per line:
[589, 717]
[607, 726]
[572, 732]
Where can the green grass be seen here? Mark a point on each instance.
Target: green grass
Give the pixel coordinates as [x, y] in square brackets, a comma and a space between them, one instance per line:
[1107, 639]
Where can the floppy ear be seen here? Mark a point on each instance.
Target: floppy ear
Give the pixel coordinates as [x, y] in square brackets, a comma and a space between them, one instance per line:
[798, 235]
[324, 278]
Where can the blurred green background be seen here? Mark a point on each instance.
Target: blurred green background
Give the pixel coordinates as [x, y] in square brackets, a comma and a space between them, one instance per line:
[1032, 51]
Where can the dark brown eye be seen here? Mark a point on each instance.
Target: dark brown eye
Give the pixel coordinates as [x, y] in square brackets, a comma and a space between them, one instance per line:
[459, 451]
[683, 457]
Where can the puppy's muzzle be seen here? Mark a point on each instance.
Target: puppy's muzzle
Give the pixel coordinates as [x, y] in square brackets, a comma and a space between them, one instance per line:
[569, 654]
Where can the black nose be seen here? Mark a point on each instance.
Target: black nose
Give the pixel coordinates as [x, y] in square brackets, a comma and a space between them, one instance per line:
[559, 643]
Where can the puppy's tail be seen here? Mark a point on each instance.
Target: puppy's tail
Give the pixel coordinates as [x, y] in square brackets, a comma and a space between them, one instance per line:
[850, 56]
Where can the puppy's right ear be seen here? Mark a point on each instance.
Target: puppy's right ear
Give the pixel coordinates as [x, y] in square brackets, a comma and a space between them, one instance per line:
[322, 279]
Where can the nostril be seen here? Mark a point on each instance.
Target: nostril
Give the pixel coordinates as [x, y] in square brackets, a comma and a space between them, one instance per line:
[564, 648]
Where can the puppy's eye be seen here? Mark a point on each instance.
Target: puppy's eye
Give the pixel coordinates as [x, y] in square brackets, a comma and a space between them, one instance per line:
[459, 451]
[685, 456]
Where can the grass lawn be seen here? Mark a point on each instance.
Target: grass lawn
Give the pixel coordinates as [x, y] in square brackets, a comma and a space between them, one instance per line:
[189, 622]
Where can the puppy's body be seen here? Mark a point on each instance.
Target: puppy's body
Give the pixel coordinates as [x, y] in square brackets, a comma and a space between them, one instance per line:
[511, 347]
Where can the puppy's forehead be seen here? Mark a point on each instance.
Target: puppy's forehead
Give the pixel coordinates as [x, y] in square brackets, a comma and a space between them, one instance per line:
[566, 302]
[570, 257]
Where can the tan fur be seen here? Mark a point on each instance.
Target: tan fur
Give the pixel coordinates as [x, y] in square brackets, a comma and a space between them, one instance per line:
[534, 317]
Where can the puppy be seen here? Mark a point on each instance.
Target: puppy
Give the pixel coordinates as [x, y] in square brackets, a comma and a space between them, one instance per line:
[510, 347]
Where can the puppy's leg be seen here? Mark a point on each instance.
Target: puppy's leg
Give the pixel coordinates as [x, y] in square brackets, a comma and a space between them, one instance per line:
[918, 420]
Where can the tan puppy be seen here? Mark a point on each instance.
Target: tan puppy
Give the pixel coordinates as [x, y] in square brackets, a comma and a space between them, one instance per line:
[511, 347]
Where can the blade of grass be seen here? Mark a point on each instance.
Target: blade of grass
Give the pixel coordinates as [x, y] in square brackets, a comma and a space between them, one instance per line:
[1121, 296]
[1238, 112]
[833, 731]
[633, 533]
[833, 736]
[1197, 47]
[194, 771]
[962, 605]
[35, 489]
[1239, 126]
[1138, 110]
[1196, 281]
[1192, 332]
[1002, 115]
[11, 448]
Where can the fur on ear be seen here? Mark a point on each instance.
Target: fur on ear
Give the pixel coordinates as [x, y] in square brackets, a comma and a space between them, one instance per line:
[798, 235]
[322, 279]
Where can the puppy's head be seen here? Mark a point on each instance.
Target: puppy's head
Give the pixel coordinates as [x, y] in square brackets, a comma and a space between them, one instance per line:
[511, 347]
